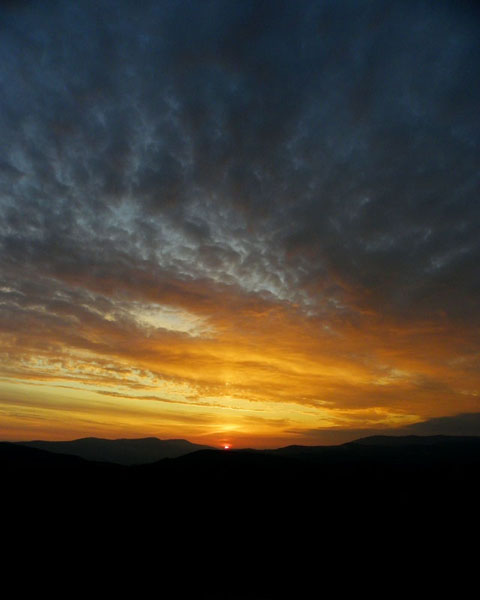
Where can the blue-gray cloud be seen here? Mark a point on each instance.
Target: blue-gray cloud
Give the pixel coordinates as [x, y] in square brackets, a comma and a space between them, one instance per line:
[317, 152]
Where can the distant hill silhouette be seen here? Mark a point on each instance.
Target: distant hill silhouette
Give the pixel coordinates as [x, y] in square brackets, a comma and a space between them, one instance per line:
[373, 470]
[121, 451]
[407, 451]
[16, 456]
[241, 518]
[399, 451]
[378, 468]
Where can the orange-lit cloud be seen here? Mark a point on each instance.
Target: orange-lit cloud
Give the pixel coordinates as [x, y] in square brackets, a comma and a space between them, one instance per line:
[259, 372]
[239, 243]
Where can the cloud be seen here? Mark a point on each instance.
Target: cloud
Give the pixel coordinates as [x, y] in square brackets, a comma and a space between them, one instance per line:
[457, 425]
[301, 179]
[463, 424]
[320, 149]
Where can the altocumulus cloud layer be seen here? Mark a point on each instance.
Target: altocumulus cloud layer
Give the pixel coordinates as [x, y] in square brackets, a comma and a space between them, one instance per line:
[238, 218]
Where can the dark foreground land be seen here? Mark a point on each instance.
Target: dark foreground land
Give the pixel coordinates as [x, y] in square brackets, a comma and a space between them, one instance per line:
[376, 515]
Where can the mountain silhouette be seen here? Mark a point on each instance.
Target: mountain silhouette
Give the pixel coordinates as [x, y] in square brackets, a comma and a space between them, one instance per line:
[238, 519]
[380, 469]
[170, 455]
[16, 456]
[380, 472]
[121, 451]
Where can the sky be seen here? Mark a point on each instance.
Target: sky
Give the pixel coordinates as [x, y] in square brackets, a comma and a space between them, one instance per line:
[246, 222]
